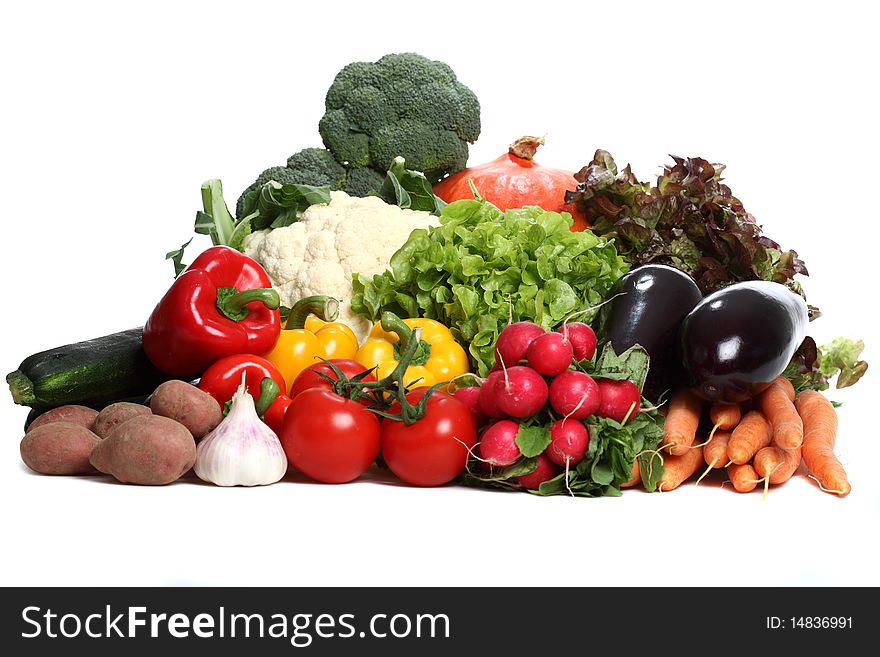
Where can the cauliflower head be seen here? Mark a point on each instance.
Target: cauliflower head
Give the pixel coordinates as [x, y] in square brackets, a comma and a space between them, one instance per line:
[320, 253]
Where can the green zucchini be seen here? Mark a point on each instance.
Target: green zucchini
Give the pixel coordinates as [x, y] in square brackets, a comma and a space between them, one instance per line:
[91, 373]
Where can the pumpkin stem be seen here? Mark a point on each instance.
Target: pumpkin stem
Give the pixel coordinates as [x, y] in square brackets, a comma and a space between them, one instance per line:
[526, 147]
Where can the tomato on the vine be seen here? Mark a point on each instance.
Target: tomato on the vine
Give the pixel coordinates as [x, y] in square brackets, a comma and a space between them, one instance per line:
[434, 449]
[328, 437]
[310, 377]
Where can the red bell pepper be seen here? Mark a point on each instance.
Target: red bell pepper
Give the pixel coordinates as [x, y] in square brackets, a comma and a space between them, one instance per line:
[222, 304]
[262, 380]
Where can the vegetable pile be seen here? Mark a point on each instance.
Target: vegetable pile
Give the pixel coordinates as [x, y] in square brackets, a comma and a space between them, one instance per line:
[384, 303]
[481, 267]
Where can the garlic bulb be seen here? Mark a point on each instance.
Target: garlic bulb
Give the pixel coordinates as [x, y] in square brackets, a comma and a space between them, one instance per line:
[241, 450]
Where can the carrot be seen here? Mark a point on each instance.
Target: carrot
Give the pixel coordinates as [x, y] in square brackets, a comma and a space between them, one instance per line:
[743, 477]
[724, 416]
[682, 421]
[776, 405]
[820, 432]
[786, 386]
[715, 452]
[776, 465]
[676, 469]
[635, 476]
[750, 435]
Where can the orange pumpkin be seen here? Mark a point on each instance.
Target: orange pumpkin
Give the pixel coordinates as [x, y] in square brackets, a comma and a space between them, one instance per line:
[515, 180]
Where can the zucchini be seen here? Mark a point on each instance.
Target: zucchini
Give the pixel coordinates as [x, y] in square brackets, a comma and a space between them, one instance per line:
[91, 373]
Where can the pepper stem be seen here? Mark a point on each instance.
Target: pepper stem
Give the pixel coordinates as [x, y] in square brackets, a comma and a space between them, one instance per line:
[232, 304]
[393, 324]
[269, 390]
[326, 308]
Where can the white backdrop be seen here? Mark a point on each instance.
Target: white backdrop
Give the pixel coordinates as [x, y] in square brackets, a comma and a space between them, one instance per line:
[113, 114]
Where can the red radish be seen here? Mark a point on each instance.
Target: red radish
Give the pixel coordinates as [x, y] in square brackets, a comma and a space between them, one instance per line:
[549, 354]
[574, 395]
[470, 397]
[581, 337]
[514, 341]
[498, 443]
[544, 472]
[569, 440]
[618, 400]
[520, 391]
[488, 397]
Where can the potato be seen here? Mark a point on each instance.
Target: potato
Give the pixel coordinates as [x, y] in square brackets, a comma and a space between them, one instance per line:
[146, 449]
[115, 414]
[193, 408]
[59, 448]
[81, 415]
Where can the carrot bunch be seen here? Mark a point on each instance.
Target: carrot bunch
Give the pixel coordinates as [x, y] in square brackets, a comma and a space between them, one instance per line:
[762, 442]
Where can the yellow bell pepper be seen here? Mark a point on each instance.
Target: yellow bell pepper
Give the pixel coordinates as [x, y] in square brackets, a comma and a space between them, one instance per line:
[306, 338]
[440, 358]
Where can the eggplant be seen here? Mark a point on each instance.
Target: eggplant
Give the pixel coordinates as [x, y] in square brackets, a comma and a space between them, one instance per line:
[652, 303]
[737, 340]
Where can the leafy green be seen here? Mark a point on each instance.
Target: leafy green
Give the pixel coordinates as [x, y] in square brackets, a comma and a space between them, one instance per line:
[176, 257]
[612, 448]
[483, 267]
[409, 189]
[813, 368]
[271, 205]
[689, 220]
[274, 205]
[532, 440]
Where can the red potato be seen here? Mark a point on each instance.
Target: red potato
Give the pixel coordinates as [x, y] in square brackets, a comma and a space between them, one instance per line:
[59, 448]
[115, 414]
[147, 449]
[185, 403]
[81, 415]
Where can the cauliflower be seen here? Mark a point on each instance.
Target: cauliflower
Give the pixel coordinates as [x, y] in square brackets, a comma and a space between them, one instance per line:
[320, 253]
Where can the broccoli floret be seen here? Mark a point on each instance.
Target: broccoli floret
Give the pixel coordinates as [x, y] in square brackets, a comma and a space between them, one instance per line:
[316, 166]
[282, 175]
[363, 181]
[310, 166]
[402, 105]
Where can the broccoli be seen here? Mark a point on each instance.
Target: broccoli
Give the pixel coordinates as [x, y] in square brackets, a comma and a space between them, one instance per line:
[363, 182]
[402, 105]
[316, 166]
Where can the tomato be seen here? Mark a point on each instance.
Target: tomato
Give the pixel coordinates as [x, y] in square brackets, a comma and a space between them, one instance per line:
[434, 449]
[328, 437]
[309, 377]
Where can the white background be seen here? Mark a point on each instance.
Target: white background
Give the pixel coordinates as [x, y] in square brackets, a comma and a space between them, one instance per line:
[113, 114]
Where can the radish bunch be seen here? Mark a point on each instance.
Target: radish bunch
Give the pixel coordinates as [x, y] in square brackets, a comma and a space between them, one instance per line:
[535, 400]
